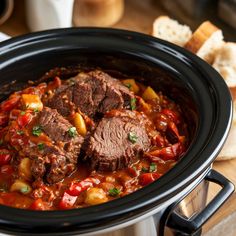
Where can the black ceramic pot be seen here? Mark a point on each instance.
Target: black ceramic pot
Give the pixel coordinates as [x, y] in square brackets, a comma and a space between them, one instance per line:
[184, 77]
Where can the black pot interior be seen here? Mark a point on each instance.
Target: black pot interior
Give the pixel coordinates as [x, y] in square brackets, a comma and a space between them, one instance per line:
[199, 90]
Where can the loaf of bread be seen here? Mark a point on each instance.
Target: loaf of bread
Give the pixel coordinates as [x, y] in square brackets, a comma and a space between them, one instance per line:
[102, 13]
[225, 63]
[170, 30]
[205, 41]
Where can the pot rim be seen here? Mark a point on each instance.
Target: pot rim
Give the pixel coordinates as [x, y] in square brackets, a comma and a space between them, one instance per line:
[90, 218]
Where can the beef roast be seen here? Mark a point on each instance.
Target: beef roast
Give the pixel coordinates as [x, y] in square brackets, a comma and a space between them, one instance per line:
[117, 141]
[62, 100]
[92, 92]
[51, 164]
[58, 158]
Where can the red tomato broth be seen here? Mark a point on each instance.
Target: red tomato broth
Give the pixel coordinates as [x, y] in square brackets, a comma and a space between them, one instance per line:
[166, 129]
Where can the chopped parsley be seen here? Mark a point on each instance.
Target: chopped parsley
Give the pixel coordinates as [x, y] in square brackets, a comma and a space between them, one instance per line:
[22, 113]
[114, 192]
[133, 103]
[132, 137]
[41, 146]
[20, 132]
[144, 169]
[37, 130]
[24, 190]
[36, 110]
[153, 167]
[128, 85]
[72, 132]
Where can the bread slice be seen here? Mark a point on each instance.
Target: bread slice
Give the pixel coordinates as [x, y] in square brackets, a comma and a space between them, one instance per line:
[170, 30]
[205, 41]
[229, 149]
[225, 63]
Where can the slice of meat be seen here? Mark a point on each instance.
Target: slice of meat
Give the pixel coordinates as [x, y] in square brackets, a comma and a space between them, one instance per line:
[117, 141]
[58, 158]
[89, 91]
[51, 164]
[62, 100]
[56, 126]
[92, 92]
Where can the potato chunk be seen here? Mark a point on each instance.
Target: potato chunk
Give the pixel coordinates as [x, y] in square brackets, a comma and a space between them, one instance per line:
[32, 102]
[149, 94]
[20, 186]
[24, 169]
[80, 124]
[95, 196]
[131, 84]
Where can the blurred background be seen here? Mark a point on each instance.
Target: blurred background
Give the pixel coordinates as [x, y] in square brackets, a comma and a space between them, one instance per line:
[22, 16]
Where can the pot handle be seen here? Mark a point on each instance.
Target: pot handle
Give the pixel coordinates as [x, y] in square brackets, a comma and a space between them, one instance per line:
[192, 226]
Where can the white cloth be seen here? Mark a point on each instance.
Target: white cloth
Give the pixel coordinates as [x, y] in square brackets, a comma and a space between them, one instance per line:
[3, 36]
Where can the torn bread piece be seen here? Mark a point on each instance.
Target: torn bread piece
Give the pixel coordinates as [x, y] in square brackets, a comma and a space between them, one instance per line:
[229, 149]
[205, 41]
[170, 30]
[225, 63]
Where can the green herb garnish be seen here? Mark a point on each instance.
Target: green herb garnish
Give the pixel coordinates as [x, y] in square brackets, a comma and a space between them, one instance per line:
[1, 141]
[36, 110]
[132, 137]
[153, 167]
[114, 192]
[22, 113]
[133, 103]
[24, 190]
[128, 85]
[144, 169]
[41, 146]
[20, 132]
[37, 130]
[72, 132]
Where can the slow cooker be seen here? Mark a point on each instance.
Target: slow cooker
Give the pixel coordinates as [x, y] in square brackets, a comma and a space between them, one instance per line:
[178, 198]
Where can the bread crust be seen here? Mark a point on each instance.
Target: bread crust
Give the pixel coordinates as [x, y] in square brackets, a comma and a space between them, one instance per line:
[200, 36]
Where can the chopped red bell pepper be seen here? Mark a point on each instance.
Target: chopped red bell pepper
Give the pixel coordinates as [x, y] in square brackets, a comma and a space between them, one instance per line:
[9, 104]
[6, 169]
[67, 201]
[132, 171]
[76, 188]
[159, 141]
[24, 119]
[173, 116]
[3, 119]
[5, 157]
[147, 178]
[38, 205]
[166, 153]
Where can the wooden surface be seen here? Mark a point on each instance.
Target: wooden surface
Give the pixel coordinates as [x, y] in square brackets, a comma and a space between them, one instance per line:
[138, 16]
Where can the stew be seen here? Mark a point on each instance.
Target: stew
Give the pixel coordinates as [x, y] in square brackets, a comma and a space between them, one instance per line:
[85, 140]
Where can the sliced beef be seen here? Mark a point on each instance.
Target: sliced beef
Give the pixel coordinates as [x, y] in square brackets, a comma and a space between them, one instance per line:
[117, 141]
[51, 164]
[89, 91]
[58, 158]
[62, 100]
[56, 126]
[92, 92]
